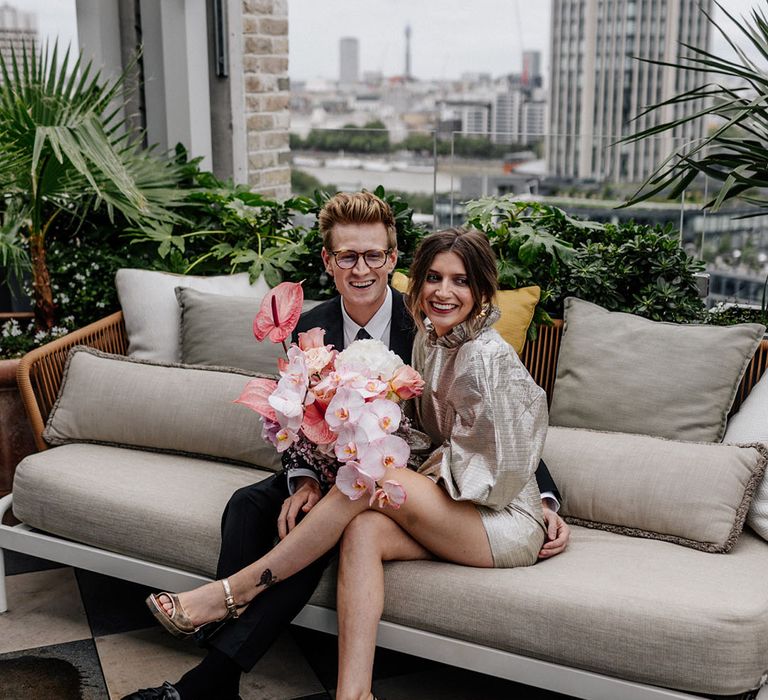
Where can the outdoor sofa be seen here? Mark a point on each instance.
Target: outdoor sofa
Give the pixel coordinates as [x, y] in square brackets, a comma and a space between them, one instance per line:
[625, 612]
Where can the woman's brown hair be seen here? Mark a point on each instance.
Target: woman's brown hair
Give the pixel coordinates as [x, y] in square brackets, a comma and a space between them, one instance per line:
[475, 251]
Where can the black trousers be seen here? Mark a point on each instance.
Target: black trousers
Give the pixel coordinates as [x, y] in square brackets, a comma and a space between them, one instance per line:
[248, 531]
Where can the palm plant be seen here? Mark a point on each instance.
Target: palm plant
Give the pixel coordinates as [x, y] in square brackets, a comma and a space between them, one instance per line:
[735, 153]
[66, 148]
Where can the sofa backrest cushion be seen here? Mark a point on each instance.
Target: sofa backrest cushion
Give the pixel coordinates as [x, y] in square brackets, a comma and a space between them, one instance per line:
[693, 494]
[218, 330]
[115, 400]
[152, 314]
[625, 373]
[750, 424]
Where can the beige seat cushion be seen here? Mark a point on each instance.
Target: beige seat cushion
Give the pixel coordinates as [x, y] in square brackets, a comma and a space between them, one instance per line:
[639, 609]
[161, 508]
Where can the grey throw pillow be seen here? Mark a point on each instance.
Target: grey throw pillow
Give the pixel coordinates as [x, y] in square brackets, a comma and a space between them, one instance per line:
[218, 331]
[625, 373]
[115, 400]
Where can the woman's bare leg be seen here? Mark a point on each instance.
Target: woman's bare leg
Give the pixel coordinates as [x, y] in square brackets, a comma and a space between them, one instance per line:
[428, 515]
[368, 541]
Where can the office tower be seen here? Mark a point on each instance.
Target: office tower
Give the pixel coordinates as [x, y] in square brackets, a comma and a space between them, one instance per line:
[17, 29]
[531, 76]
[597, 85]
[349, 60]
[407, 51]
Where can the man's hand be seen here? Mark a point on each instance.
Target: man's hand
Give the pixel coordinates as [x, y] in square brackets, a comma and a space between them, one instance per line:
[558, 533]
[305, 496]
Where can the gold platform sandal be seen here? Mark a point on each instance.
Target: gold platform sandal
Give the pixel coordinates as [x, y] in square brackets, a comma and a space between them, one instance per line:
[178, 622]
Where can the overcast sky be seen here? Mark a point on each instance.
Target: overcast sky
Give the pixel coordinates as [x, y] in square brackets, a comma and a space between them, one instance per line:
[448, 37]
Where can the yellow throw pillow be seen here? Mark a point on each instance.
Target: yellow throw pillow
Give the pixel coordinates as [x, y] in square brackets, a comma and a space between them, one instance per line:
[516, 305]
[400, 282]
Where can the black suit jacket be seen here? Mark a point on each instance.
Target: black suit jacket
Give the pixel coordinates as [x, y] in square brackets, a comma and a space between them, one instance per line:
[328, 316]
[402, 332]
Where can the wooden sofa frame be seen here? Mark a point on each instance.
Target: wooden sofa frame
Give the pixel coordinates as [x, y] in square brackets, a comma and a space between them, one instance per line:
[39, 378]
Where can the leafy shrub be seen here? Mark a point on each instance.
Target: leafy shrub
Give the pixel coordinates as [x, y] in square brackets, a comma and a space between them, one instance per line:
[626, 267]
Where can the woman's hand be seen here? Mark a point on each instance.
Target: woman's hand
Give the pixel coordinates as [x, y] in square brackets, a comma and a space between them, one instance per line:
[558, 533]
[306, 495]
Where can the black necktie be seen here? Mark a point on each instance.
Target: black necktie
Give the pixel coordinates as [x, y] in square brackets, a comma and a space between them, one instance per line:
[362, 334]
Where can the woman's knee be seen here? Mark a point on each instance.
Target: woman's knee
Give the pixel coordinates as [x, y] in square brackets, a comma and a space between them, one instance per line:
[364, 530]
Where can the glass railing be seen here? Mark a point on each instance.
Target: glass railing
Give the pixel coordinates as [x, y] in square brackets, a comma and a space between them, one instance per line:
[438, 172]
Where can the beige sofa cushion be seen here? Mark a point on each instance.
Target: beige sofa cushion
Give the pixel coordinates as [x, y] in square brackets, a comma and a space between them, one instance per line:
[157, 507]
[625, 373]
[694, 494]
[639, 609]
[115, 400]
[218, 331]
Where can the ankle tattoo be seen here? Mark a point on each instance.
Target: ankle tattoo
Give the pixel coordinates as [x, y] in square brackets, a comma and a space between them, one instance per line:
[267, 579]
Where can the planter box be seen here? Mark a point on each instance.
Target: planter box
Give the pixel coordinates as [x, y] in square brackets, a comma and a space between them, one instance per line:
[16, 439]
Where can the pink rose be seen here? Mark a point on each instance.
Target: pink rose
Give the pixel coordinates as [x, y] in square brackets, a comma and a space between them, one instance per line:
[407, 383]
[313, 338]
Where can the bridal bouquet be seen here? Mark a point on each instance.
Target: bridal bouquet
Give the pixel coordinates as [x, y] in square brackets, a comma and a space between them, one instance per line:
[339, 411]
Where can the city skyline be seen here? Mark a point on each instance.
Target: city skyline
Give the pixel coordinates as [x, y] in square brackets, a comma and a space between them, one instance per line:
[448, 38]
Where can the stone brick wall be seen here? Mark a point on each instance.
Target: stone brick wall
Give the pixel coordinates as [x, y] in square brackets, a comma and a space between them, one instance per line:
[267, 94]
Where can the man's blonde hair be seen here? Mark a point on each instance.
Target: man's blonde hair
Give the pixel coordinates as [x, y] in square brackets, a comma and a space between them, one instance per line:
[356, 208]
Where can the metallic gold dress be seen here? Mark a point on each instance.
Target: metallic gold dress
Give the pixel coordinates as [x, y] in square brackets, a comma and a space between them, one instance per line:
[489, 419]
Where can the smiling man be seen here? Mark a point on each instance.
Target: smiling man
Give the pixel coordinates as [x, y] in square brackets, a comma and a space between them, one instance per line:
[359, 253]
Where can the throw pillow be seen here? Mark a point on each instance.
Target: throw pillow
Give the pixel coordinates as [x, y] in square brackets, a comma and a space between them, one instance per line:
[218, 330]
[152, 315]
[693, 494]
[517, 307]
[116, 400]
[625, 373]
[750, 424]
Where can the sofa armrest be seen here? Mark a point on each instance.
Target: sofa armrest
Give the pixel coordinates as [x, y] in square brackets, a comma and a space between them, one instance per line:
[540, 356]
[40, 372]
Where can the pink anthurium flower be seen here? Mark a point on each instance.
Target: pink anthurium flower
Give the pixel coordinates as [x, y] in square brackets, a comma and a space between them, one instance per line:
[344, 409]
[390, 451]
[256, 396]
[353, 481]
[390, 494]
[279, 312]
[314, 427]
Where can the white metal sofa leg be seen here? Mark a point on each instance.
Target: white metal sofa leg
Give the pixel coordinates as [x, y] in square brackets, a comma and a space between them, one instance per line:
[5, 505]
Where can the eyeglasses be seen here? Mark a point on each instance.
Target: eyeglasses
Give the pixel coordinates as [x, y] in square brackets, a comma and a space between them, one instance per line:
[347, 259]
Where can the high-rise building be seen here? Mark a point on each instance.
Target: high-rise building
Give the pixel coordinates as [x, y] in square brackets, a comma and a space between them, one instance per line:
[17, 29]
[598, 85]
[408, 52]
[349, 60]
[531, 75]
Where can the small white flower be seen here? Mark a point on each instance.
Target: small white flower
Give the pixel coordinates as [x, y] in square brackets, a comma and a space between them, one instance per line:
[40, 336]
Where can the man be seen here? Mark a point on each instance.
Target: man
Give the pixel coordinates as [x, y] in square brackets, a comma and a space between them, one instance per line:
[359, 253]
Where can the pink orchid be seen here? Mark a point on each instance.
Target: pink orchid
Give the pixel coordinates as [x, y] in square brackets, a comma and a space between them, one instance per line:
[369, 387]
[344, 409]
[284, 439]
[256, 396]
[407, 383]
[314, 426]
[388, 414]
[390, 451]
[353, 481]
[390, 494]
[279, 312]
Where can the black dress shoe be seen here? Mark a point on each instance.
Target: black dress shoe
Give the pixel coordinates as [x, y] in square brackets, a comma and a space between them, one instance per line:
[164, 692]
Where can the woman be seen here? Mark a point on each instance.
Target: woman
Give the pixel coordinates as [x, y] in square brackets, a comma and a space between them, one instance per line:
[489, 418]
